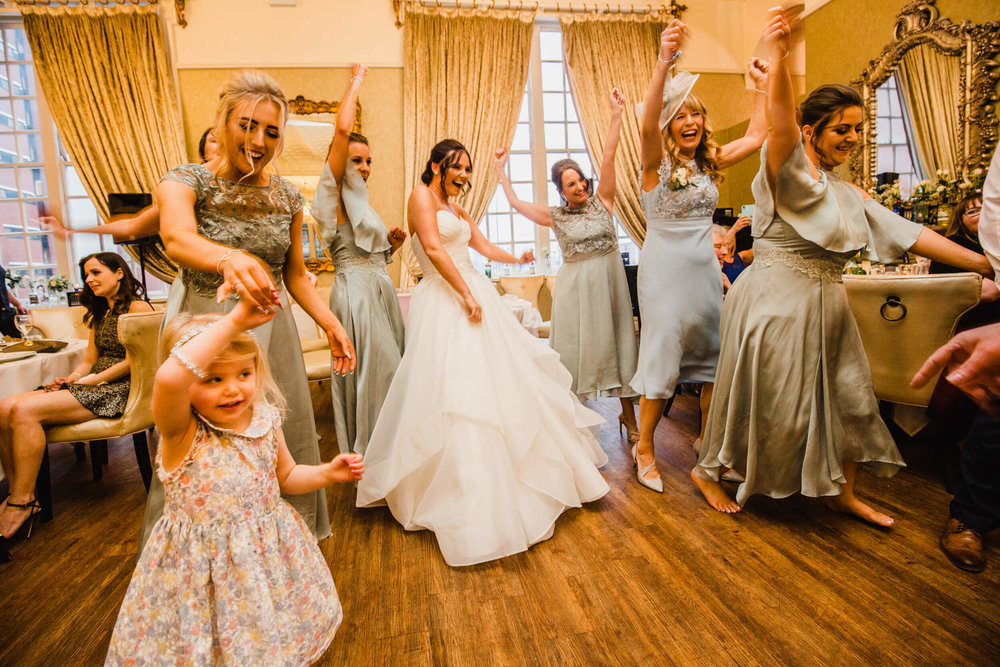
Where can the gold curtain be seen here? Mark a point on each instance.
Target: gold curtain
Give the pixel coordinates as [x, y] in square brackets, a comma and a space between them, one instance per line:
[603, 52]
[463, 78]
[106, 77]
[929, 85]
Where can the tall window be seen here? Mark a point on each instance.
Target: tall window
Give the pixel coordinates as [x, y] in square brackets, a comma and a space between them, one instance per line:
[894, 153]
[548, 130]
[26, 249]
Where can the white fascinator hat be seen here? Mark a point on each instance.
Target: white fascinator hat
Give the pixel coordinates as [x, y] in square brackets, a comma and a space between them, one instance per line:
[676, 90]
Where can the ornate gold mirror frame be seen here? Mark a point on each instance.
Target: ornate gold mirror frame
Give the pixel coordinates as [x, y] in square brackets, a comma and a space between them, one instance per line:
[317, 257]
[977, 45]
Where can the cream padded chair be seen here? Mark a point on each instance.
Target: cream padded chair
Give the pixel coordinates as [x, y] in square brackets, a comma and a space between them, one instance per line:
[138, 333]
[315, 346]
[61, 323]
[527, 288]
[902, 320]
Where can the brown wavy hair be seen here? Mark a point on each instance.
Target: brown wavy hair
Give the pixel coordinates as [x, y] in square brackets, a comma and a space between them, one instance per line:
[706, 155]
[129, 289]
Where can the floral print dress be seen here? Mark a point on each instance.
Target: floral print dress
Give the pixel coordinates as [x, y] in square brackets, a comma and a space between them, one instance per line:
[231, 574]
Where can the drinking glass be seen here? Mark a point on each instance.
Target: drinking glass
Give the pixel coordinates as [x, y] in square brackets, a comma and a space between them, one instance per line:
[23, 322]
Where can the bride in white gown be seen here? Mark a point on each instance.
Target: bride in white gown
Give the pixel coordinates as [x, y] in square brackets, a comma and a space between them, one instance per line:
[480, 439]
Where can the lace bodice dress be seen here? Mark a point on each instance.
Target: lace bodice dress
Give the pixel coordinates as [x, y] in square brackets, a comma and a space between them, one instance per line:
[480, 439]
[105, 400]
[231, 574]
[592, 327]
[257, 219]
[794, 397]
[680, 285]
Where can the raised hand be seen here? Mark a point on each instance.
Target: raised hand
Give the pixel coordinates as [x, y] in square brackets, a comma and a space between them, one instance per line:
[500, 155]
[617, 102]
[246, 275]
[777, 31]
[671, 39]
[527, 257]
[248, 316]
[359, 71]
[344, 468]
[472, 308]
[396, 237]
[757, 71]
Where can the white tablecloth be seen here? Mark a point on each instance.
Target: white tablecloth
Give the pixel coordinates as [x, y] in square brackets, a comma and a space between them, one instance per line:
[526, 314]
[18, 377]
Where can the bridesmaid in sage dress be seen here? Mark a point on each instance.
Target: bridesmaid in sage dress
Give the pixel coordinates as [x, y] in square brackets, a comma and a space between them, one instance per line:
[236, 229]
[679, 282]
[592, 326]
[794, 408]
[362, 295]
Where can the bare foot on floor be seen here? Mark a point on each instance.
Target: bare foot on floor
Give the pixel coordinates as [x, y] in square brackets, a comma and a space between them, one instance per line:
[851, 505]
[715, 495]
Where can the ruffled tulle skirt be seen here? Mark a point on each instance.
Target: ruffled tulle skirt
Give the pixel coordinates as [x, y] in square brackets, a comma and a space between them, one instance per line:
[480, 439]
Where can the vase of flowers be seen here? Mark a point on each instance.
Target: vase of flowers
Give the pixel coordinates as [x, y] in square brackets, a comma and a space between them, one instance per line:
[57, 288]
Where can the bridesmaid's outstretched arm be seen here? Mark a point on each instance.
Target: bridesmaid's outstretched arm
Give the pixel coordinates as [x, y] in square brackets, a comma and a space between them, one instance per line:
[538, 214]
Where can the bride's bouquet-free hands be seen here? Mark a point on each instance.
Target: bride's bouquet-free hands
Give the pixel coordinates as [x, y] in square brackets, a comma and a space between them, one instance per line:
[344, 468]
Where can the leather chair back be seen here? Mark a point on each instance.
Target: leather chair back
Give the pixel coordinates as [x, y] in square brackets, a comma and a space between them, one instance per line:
[524, 287]
[61, 323]
[902, 320]
[138, 333]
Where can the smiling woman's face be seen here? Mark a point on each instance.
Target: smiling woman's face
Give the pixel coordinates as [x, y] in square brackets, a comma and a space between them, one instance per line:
[253, 136]
[686, 129]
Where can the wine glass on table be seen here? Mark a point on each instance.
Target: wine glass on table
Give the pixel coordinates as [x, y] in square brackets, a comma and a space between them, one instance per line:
[23, 322]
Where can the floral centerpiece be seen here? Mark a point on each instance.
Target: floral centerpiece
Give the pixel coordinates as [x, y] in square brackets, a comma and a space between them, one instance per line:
[887, 194]
[59, 283]
[17, 280]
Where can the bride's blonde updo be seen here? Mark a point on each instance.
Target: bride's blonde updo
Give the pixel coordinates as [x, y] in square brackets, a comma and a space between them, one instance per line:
[246, 86]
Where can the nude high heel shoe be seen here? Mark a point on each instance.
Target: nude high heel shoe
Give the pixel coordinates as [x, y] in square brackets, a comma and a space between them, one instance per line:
[640, 473]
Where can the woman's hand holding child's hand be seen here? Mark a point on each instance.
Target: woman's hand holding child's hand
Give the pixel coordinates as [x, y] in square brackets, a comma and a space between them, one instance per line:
[246, 315]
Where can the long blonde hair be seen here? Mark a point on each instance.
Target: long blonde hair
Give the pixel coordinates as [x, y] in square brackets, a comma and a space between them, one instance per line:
[243, 344]
[706, 155]
[247, 86]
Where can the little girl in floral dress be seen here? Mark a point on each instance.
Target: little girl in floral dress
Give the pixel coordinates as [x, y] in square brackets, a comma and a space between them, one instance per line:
[231, 574]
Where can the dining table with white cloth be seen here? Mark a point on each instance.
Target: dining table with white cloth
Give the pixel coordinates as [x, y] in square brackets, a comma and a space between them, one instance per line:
[23, 375]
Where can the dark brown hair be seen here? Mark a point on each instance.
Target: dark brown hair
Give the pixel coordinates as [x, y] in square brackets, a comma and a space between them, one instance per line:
[564, 165]
[202, 142]
[822, 105]
[956, 224]
[355, 138]
[445, 154]
[129, 289]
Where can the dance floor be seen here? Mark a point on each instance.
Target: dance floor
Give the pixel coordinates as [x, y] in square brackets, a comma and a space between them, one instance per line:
[635, 578]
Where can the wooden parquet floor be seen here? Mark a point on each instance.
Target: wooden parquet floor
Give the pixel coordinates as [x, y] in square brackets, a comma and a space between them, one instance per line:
[635, 578]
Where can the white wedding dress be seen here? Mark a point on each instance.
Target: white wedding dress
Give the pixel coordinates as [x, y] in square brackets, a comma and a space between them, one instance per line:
[479, 439]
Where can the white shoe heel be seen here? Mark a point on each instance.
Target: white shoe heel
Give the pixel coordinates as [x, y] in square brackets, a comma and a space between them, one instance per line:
[640, 473]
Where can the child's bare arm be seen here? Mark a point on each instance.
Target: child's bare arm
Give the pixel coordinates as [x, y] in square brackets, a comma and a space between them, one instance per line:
[294, 478]
[171, 403]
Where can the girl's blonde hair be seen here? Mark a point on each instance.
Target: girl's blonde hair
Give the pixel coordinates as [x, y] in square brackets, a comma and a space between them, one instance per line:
[243, 344]
[706, 155]
[247, 86]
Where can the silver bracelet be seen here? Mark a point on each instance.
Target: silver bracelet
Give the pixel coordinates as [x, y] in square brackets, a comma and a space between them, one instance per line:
[225, 256]
[186, 363]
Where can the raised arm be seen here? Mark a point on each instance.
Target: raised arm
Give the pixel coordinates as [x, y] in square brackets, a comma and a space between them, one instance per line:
[304, 293]
[421, 214]
[650, 139]
[538, 214]
[345, 123]
[783, 133]
[741, 148]
[606, 188]
[146, 223]
[484, 247]
[179, 230]
[171, 403]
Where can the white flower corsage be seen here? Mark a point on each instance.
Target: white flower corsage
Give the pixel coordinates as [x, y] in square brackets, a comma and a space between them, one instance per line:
[680, 177]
